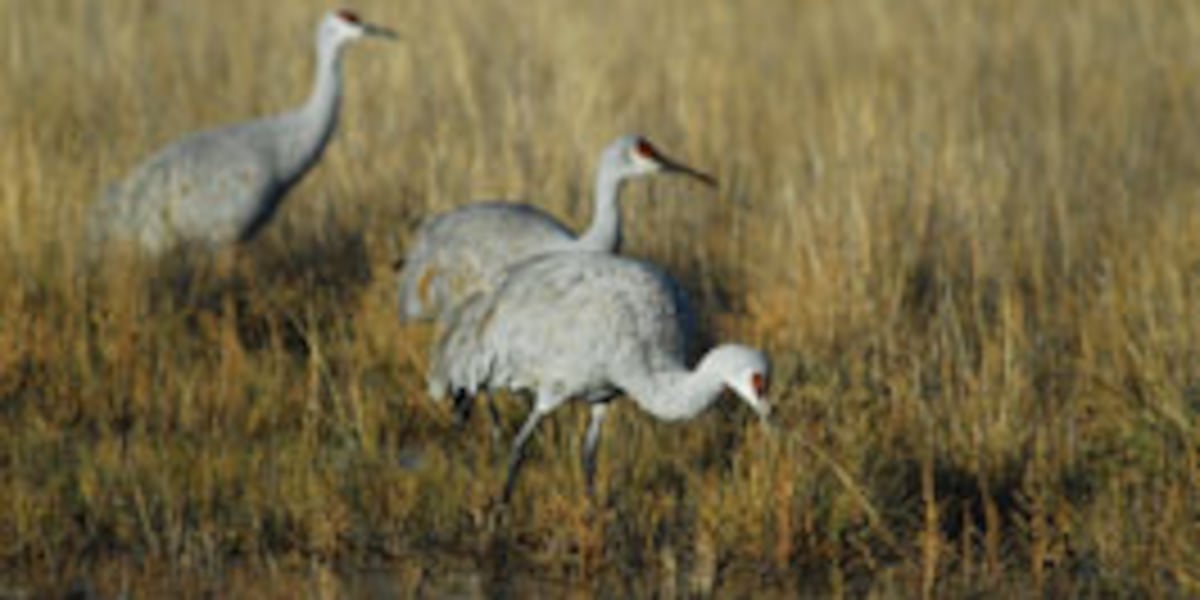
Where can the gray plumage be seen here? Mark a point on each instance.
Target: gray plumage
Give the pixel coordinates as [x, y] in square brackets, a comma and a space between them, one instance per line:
[589, 326]
[221, 186]
[465, 251]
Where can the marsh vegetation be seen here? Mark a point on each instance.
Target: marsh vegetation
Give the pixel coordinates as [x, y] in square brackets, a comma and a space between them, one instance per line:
[968, 234]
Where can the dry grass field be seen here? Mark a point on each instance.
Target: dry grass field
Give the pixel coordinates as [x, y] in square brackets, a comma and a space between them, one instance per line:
[968, 234]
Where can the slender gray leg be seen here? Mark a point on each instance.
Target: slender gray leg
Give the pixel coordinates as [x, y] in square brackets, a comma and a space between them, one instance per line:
[518, 450]
[591, 439]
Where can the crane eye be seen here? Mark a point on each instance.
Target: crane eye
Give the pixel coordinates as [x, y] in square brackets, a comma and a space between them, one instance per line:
[349, 16]
[760, 383]
[646, 150]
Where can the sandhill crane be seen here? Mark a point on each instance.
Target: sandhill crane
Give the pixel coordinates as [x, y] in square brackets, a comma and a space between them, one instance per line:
[466, 250]
[589, 325]
[221, 186]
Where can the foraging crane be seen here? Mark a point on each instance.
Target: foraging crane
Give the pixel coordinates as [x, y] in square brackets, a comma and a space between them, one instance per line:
[589, 325]
[221, 186]
[464, 251]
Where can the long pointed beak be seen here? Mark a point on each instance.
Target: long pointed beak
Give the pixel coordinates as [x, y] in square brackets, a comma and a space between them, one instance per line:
[764, 416]
[671, 166]
[380, 32]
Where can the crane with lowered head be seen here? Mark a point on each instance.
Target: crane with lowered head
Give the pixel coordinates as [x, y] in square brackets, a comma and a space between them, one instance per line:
[589, 326]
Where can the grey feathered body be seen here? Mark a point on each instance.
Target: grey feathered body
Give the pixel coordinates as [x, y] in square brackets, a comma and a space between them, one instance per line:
[466, 251]
[211, 188]
[580, 323]
[220, 186]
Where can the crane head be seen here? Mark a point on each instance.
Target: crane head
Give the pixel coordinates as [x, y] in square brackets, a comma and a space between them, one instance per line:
[633, 155]
[344, 25]
[746, 372]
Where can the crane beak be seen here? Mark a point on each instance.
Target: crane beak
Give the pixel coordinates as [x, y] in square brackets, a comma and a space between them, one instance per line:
[671, 166]
[763, 410]
[380, 32]
[764, 417]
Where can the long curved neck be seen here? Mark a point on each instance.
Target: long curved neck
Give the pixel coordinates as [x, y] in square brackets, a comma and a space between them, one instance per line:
[604, 234]
[676, 393]
[307, 131]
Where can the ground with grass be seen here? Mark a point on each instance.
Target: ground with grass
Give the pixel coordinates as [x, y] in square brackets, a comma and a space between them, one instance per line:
[968, 234]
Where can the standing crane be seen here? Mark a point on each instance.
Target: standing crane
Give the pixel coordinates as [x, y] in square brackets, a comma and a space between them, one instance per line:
[589, 325]
[467, 250]
[221, 186]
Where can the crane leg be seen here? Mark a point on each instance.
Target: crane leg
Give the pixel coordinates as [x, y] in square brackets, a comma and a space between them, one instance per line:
[518, 450]
[496, 429]
[463, 402]
[591, 440]
[463, 406]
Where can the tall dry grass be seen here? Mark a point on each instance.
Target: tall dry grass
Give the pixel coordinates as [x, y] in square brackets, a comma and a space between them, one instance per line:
[967, 232]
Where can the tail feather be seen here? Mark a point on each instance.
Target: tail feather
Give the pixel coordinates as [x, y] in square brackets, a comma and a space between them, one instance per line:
[461, 358]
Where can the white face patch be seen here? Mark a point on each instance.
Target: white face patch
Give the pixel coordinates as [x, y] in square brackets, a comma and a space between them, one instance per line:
[642, 163]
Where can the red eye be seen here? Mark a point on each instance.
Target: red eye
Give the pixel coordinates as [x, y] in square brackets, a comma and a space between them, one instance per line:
[647, 150]
[349, 16]
[760, 383]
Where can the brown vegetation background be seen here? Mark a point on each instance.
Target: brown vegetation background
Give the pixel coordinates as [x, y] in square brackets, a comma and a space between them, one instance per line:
[968, 233]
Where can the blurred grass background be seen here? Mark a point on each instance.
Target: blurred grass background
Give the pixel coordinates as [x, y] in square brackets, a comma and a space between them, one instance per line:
[967, 232]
